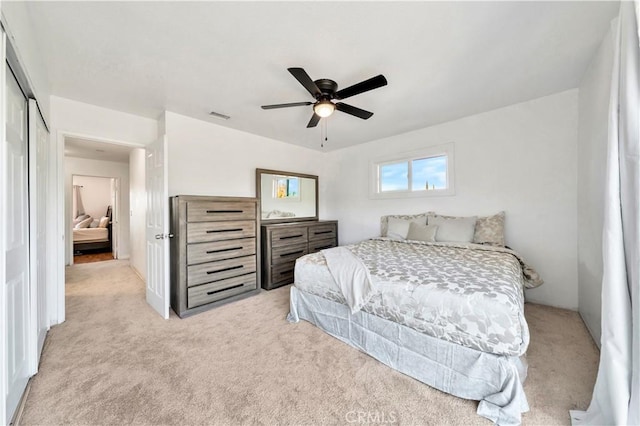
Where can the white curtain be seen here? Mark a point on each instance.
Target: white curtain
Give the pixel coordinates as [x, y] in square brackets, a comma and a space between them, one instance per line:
[78, 207]
[616, 395]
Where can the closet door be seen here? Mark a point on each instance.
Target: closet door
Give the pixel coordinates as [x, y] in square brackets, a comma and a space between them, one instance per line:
[38, 169]
[16, 225]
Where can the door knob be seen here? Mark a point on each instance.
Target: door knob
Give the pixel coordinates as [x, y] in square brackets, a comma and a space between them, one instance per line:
[163, 236]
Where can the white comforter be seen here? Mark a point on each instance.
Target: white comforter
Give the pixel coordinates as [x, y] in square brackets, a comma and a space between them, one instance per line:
[466, 294]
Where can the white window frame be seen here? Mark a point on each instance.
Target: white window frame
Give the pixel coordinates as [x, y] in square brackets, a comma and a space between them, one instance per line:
[446, 150]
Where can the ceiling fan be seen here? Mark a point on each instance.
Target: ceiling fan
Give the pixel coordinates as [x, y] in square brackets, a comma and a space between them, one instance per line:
[325, 91]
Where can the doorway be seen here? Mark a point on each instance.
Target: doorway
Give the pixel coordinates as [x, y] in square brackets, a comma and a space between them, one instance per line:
[103, 174]
[94, 216]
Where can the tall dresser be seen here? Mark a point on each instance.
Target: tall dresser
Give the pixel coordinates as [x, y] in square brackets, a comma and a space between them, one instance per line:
[283, 243]
[214, 251]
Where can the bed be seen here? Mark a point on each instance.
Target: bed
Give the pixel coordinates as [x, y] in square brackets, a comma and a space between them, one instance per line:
[450, 314]
[93, 238]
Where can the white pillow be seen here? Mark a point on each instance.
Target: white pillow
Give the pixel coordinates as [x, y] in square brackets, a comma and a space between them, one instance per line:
[422, 232]
[84, 223]
[459, 230]
[398, 229]
[104, 221]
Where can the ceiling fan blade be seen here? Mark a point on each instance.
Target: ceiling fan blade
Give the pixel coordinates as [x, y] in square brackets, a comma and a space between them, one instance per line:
[363, 86]
[315, 118]
[293, 104]
[349, 109]
[304, 79]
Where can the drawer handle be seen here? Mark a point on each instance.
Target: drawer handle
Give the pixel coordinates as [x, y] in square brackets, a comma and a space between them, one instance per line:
[225, 211]
[223, 250]
[286, 272]
[324, 247]
[292, 253]
[225, 269]
[224, 289]
[213, 231]
[322, 232]
[290, 236]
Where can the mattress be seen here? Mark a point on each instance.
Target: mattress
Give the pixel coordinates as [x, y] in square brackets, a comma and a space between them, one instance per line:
[90, 235]
[466, 294]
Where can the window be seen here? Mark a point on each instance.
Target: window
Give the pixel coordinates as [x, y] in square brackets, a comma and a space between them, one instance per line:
[286, 187]
[415, 174]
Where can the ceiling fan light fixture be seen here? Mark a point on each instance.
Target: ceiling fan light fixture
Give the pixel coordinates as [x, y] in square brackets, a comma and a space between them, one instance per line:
[324, 108]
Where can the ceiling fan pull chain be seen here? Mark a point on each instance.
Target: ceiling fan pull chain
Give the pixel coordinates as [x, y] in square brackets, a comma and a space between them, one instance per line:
[323, 130]
[326, 131]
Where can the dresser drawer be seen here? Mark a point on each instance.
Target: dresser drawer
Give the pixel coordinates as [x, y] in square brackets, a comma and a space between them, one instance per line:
[288, 253]
[215, 271]
[207, 293]
[220, 250]
[322, 232]
[288, 236]
[201, 232]
[282, 274]
[315, 246]
[205, 211]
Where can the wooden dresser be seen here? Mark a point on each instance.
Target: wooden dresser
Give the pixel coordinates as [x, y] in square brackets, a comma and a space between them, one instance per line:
[214, 251]
[283, 243]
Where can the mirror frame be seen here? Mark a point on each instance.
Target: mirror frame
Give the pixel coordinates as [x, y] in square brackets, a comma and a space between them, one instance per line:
[260, 172]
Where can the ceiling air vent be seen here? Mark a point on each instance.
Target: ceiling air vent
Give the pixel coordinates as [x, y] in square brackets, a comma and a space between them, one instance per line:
[218, 115]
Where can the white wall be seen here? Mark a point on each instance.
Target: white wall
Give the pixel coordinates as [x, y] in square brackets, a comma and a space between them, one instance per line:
[95, 193]
[138, 208]
[18, 24]
[82, 166]
[592, 153]
[81, 119]
[521, 159]
[208, 159]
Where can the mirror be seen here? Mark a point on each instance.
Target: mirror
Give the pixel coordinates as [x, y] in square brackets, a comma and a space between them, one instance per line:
[287, 196]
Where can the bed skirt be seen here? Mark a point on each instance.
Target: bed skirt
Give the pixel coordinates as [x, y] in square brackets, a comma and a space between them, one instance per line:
[494, 380]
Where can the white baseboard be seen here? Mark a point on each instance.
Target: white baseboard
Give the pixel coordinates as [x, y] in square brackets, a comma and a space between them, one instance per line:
[137, 273]
[17, 416]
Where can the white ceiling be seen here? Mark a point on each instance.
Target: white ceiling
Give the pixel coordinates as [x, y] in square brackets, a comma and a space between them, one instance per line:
[443, 60]
[85, 148]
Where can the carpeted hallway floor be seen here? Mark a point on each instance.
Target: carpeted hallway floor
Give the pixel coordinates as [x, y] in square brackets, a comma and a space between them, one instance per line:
[115, 361]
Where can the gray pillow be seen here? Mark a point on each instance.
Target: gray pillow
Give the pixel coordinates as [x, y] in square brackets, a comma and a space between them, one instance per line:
[418, 218]
[399, 228]
[84, 223]
[459, 230]
[422, 232]
[80, 218]
[490, 230]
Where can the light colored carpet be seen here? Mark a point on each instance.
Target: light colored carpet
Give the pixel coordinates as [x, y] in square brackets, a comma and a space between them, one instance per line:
[114, 361]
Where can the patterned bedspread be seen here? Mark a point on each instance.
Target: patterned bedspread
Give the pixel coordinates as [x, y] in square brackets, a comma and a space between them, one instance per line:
[467, 294]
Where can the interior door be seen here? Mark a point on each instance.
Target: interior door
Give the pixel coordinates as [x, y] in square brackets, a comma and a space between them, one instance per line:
[157, 227]
[115, 220]
[16, 224]
[38, 169]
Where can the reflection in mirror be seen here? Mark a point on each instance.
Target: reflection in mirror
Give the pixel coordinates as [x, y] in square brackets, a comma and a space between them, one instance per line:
[286, 187]
[287, 196]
